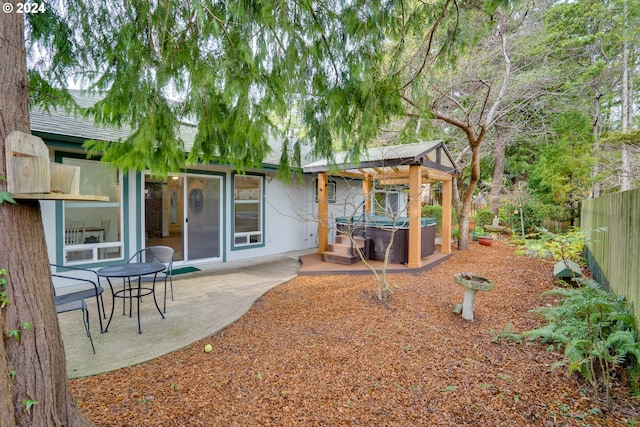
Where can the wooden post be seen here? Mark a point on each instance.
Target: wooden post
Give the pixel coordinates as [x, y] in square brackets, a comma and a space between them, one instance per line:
[415, 237]
[447, 193]
[366, 193]
[323, 212]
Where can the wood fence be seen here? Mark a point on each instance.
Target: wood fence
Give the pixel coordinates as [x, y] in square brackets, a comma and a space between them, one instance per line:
[612, 224]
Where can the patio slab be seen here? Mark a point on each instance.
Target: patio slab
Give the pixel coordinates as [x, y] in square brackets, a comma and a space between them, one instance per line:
[205, 302]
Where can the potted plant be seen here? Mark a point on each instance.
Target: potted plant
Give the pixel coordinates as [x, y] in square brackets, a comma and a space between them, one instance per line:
[477, 232]
[485, 240]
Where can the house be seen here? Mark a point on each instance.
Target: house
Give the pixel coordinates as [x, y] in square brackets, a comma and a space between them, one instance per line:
[207, 213]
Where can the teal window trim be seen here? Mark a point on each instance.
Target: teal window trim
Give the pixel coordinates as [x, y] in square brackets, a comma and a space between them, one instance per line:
[262, 199]
[139, 217]
[59, 212]
[223, 195]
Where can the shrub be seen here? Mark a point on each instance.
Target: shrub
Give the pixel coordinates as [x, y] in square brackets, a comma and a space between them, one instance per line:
[484, 217]
[533, 216]
[598, 332]
[436, 212]
[558, 247]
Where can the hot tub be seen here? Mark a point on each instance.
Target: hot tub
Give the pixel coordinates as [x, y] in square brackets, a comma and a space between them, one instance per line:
[376, 229]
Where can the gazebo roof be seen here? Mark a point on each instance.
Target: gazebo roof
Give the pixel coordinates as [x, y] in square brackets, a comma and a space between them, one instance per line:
[390, 164]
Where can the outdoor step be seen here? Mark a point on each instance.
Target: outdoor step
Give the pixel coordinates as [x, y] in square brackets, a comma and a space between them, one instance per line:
[342, 238]
[345, 248]
[330, 256]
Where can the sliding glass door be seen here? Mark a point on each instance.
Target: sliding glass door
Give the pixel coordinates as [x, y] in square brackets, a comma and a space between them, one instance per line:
[184, 212]
[203, 217]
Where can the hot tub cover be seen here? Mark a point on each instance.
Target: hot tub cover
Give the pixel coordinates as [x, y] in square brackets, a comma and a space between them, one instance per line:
[382, 221]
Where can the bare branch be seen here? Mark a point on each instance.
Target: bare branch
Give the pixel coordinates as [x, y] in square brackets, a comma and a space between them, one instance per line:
[491, 117]
[431, 34]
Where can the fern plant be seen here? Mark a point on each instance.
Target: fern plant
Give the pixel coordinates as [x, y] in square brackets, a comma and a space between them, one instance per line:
[598, 332]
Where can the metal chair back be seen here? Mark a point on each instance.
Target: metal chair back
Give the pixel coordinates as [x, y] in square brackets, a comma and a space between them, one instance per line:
[163, 254]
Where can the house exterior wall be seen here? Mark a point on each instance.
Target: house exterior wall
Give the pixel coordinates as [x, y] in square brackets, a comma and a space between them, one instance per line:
[348, 202]
[289, 223]
[289, 219]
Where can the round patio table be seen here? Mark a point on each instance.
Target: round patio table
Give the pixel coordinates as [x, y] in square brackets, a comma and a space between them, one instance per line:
[126, 272]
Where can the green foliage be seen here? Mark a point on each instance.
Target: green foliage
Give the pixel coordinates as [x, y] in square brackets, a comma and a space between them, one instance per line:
[433, 212]
[16, 333]
[436, 212]
[4, 300]
[236, 73]
[5, 196]
[511, 215]
[517, 241]
[533, 216]
[241, 73]
[565, 246]
[484, 217]
[597, 330]
[28, 403]
[629, 137]
[562, 172]
[507, 334]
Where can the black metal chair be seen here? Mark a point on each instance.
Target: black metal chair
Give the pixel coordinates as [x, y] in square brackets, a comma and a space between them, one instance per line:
[75, 300]
[164, 255]
[73, 306]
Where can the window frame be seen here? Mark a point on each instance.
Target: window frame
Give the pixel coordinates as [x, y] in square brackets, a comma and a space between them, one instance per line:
[248, 235]
[62, 206]
[332, 187]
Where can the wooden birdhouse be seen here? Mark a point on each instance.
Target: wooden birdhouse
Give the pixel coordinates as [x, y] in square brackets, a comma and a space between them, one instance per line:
[31, 175]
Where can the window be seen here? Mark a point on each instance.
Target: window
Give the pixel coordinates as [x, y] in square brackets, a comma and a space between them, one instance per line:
[92, 230]
[386, 203]
[247, 210]
[331, 190]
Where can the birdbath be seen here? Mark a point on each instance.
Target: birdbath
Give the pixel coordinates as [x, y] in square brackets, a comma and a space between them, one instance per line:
[495, 230]
[472, 284]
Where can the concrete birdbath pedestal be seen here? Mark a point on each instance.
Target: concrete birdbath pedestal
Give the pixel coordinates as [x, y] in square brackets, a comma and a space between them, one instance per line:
[495, 230]
[472, 284]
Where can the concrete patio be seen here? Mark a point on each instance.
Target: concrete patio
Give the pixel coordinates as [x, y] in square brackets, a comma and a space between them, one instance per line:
[206, 301]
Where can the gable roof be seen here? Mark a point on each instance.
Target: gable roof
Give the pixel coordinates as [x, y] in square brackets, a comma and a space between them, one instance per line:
[58, 121]
[391, 163]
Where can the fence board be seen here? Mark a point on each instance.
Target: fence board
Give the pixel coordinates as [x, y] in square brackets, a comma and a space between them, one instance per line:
[612, 223]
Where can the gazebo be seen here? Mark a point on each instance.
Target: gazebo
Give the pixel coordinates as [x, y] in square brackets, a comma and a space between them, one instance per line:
[413, 164]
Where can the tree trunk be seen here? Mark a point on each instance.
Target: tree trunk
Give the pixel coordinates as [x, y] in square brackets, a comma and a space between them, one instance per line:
[595, 190]
[625, 155]
[33, 380]
[498, 173]
[463, 214]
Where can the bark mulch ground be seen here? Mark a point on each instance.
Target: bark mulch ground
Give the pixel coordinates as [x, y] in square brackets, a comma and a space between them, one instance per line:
[321, 351]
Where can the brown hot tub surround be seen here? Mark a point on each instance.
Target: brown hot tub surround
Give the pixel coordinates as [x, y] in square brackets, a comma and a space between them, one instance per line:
[377, 231]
